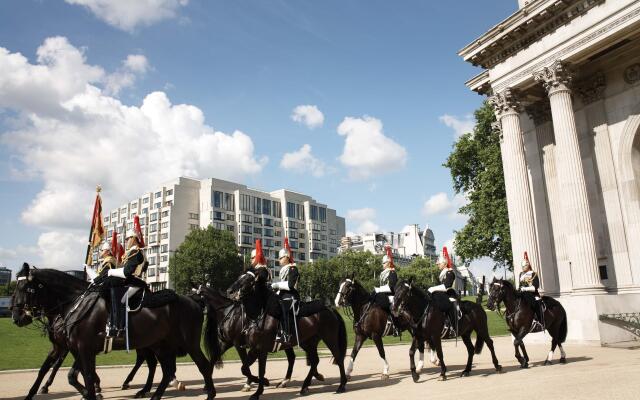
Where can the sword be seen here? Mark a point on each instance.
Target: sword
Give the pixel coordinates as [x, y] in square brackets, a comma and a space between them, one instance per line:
[295, 322]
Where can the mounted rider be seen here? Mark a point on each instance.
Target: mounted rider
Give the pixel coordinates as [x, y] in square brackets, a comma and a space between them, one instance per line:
[287, 290]
[529, 285]
[388, 279]
[259, 267]
[447, 281]
[132, 269]
[108, 260]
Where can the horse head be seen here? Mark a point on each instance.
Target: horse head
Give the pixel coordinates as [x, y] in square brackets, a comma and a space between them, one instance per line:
[23, 301]
[345, 291]
[402, 293]
[497, 293]
[243, 286]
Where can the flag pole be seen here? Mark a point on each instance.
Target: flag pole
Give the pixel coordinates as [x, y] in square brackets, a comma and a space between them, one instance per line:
[93, 215]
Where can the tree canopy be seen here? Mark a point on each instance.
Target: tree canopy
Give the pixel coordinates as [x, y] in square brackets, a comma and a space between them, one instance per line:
[476, 169]
[206, 256]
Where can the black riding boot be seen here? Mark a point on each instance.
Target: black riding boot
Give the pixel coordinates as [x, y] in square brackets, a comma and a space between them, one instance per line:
[285, 334]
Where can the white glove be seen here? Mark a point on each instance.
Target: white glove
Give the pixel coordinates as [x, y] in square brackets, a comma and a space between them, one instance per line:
[383, 289]
[91, 273]
[439, 288]
[527, 289]
[280, 285]
[118, 272]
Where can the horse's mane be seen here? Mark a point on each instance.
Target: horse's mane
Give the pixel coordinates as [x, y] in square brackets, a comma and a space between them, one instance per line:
[508, 284]
[59, 281]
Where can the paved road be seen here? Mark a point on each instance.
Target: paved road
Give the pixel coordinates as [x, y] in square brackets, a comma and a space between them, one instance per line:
[591, 373]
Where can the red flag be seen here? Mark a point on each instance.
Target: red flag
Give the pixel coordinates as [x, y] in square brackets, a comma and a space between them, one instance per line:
[138, 231]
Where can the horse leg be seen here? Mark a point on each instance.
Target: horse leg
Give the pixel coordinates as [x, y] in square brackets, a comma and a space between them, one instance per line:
[245, 369]
[549, 358]
[54, 372]
[466, 339]
[438, 345]
[52, 358]
[377, 339]
[412, 362]
[489, 343]
[354, 353]
[291, 359]
[524, 355]
[168, 366]
[72, 377]
[563, 355]
[262, 364]
[132, 374]
[205, 368]
[421, 360]
[96, 381]
[152, 363]
[311, 348]
[88, 363]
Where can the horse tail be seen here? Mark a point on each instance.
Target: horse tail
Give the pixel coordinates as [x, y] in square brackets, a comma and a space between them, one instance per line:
[479, 345]
[481, 326]
[211, 341]
[563, 327]
[342, 336]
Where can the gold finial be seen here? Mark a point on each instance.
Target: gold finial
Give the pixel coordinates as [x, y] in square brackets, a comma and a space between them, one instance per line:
[98, 189]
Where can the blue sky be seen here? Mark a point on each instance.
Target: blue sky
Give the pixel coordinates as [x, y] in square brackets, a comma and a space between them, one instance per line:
[240, 66]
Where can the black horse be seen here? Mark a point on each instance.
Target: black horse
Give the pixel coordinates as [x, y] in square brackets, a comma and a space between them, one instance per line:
[369, 321]
[233, 322]
[428, 325]
[323, 324]
[177, 325]
[519, 317]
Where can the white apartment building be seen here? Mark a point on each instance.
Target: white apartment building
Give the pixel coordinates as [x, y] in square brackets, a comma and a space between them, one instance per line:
[170, 212]
[406, 245]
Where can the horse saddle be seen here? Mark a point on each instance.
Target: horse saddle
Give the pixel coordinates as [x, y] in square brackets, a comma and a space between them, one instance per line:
[145, 298]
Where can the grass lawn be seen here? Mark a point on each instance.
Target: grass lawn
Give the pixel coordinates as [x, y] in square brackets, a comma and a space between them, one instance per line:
[27, 347]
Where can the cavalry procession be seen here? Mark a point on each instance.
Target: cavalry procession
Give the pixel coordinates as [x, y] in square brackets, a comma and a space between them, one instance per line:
[115, 309]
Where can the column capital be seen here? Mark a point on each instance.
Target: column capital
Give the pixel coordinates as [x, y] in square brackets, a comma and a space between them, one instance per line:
[591, 89]
[555, 77]
[506, 102]
[539, 112]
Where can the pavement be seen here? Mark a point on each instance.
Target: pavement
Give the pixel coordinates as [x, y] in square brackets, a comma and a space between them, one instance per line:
[590, 373]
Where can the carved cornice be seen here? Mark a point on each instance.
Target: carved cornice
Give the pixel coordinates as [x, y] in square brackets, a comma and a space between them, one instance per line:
[592, 88]
[525, 27]
[539, 112]
[555, 77]
[505, 102]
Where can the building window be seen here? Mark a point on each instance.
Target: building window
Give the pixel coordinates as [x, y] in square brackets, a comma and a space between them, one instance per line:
[165, 236]
[247, 239]
[277, 224]
[268, 222]
[130, 225]
[323, 214]
[313, 210]
[301, 256]
[152, 260]
[268, 232]
[302, 245]
[158, 194]
[164, 248]
[301, 235]
[231, 217]
[266, 207]
[158, 205]
[231, 228]
[152, 238]
[229, 203]
[145, 200]
[257, 220]
[323, 237]
[153, 227]
[145, 210]
[151, 272]
[245, 202]
[278, 243]
[268, 242]
[219, 216]
[217, 199]
[193, 227]
[165, 213]
[106, 220]
[168, 203]
[162, 270]
[277, 209]
[292, 234]
[247, 218]
[293, 244]
[165, 225]
[257, 230]
[291, 210]
[247, 229]
[194, 216]
[154, 217]
[169, 192]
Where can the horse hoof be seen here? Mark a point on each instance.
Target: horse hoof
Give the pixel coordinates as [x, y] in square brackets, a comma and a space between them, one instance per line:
[246, 388]
[282, 384]
[98, 396]
[464, 373]
[265, 382]
[304, 391]
[442, 378]
[254, 397]
[341, 389]
[182, 387]
[98, 389]
[415, 376]
[348, 378]
[319, 377]
[563, 360]
[139, 395]
[499, 369]
[546, 362]
[524, 365]
[44, 390]
[384, 377]
[124, 386]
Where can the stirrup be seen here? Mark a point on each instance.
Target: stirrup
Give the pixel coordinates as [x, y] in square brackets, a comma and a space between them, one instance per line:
[536, 326]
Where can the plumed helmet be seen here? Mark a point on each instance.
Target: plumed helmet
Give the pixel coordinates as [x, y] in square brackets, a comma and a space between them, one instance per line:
[388, 258]
[286, 250]
[444, 258]
[106, 246]
[525, 260]
[257, 253]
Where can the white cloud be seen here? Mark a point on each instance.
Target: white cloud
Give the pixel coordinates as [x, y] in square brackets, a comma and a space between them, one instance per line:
[308, 115]
[125, 76]
[441, 204]
[460, 126]
[363, 217]
[13, 258]
[367, 151]
[129, 14]
[301, 161]
[62, 250]
[74, 136]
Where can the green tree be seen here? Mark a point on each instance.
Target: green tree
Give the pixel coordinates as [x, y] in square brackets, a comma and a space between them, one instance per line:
[476, 168]
[206, 255]
[422, 271]
[8, 289]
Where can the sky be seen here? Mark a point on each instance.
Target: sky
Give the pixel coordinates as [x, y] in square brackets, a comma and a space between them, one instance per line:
[356, 103]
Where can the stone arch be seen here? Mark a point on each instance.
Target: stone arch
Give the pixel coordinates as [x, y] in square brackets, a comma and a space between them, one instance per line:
[629, 168]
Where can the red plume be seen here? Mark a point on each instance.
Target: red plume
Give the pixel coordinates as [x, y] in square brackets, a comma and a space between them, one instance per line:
[390, 256]
[138, 231]
[116, 248]
[445, 253]
[259, 255]
[288, 248]
[526, 257]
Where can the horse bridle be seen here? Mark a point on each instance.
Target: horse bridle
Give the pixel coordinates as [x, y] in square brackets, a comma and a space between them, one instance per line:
[28, 308]
[344, 293]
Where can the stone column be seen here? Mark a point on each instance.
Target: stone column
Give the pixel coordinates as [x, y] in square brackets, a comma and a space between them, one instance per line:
[556, 267]
[591, 91]
[581, 246]
[520, 207]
